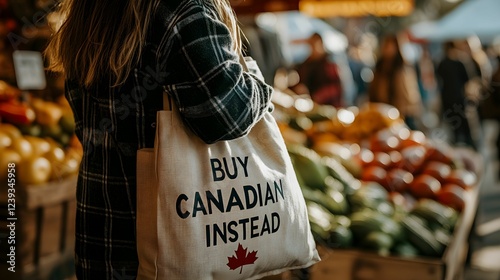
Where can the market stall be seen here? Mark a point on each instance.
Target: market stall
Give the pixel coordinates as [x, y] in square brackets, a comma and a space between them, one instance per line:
[384, 202]
[39, 153]
[39, 156]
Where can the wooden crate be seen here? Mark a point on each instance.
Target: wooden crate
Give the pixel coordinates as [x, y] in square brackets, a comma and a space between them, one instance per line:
[363, 265]
[45, 230]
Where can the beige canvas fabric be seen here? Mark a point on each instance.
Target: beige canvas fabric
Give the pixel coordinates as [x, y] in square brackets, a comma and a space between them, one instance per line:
[230, 210]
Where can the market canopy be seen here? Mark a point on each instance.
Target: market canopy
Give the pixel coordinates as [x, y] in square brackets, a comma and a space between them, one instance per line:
[473, 17]
[327, 8]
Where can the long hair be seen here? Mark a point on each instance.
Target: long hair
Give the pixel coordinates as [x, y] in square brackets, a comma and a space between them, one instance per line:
[386, 68]
[99, 39]
[397, 61]
[226, 14]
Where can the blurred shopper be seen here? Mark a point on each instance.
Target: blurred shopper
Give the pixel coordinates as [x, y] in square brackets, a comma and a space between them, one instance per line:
[453, 78]
[478, 67]
[480, 71]
[426, 77]
[395, 82]
[319, 76]
[495, 93]
[262, 44]
[361, 57]
[491, 104]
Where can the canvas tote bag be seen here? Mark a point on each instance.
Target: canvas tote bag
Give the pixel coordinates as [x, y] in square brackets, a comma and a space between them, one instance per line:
[229, 210]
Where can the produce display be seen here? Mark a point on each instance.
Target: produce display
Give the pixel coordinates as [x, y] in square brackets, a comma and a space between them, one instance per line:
[38, 136]
[371, 183]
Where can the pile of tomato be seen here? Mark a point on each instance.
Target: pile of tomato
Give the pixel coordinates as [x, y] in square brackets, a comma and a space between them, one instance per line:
[410, 165]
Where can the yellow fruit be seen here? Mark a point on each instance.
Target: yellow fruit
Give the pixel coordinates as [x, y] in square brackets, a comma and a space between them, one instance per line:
[5, 140]
[324, 137]
[63, 169]
[23, 147]
[55, 155]
[53, 143]
[47, 113]
[8, 156]
[39, 145]
[10, 130]
[74, 154]
[34, 171]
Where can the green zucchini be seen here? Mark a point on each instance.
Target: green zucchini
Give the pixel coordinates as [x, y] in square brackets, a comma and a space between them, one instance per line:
[307, 163]
[366, 221]
[378, 241]
[422, 237]
[436, 214]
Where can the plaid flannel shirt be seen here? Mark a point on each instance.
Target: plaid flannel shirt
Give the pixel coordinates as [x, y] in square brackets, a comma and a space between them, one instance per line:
[188, 54]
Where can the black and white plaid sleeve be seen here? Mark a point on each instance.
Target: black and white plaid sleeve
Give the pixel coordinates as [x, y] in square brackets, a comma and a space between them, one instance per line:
[216, 98]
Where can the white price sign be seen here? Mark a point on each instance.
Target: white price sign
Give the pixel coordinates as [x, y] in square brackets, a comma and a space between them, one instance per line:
[30, 73]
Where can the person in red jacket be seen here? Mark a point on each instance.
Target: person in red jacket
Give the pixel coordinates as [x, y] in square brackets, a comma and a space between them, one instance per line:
[319, 75]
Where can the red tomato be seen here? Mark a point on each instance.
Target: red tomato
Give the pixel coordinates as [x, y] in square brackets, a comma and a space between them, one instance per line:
[452, 195]
[463, 178]
[413, 158]
[384, 141]
[396, 159]
[375, 174]
[438, 170]
[416, 138]
[425, 186]
[439, 152]
[399, 180]
[365, 156]
[381, 159]
[403, 133]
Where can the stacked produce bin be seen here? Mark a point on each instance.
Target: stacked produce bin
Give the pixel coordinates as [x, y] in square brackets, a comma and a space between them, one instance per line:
[39, 159]
[384, 202]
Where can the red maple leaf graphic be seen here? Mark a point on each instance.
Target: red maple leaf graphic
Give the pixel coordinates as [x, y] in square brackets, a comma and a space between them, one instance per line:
[241, 258]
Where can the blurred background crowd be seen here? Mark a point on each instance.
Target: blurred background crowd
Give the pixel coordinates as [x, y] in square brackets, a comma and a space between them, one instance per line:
[439, 64]
[436, 61]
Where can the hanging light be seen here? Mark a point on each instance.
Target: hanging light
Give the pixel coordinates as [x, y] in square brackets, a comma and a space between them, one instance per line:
[327, 8]
[242, 7]
[356, 8]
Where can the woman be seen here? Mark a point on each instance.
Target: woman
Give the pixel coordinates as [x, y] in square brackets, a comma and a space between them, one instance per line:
[395, 82]
[453, 78]
[118, 57]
